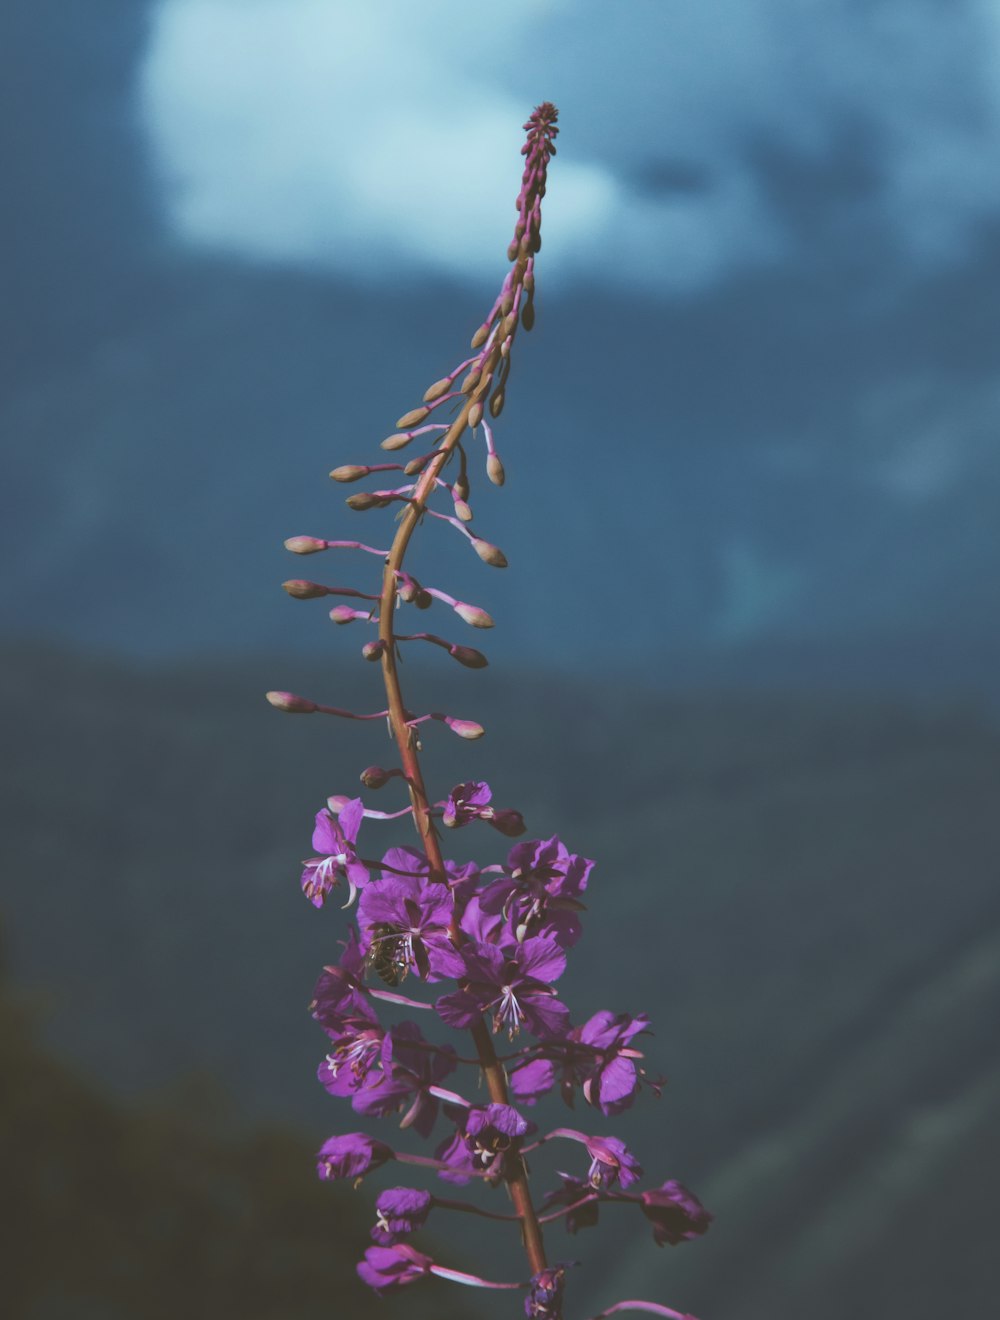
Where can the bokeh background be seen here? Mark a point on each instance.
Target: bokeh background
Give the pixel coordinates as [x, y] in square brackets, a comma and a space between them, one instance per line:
[747, 646]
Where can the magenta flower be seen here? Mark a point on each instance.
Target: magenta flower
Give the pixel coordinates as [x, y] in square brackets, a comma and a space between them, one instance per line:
[675, 1213]
[544, 1299]
[514, 985]
[606, 1069]
[400, 1210]
[410, 1068]
[541, 893]
[611, 1163]
[393, 1267]
[482, 1140]
[351, 1156]
[471, 801]
[466, 802]
[353, 1063]
[416, 915]
[334, 838]
[339, 995]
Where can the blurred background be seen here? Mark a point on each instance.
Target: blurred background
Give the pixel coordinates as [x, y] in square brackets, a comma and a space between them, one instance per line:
[746, 652]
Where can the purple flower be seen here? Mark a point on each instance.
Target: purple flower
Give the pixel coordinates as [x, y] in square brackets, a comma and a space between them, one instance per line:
[415, 915]
[351, 1156]
[484, 1136]
[471, 801]
[513, 985]
[339, 994]
[353, 1063]
[610, 1079]
[675, 1213]
[611, 1163]
[410, 1067]
[541, 895]
[544, 1300]
[392, 1267]
[400, 1210]
[466, 802]
[334, 840]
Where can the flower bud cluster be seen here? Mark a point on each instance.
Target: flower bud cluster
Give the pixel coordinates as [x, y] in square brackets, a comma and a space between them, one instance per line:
[433, 946]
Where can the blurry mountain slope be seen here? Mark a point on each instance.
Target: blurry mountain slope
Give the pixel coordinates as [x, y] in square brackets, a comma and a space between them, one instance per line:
[801, 892]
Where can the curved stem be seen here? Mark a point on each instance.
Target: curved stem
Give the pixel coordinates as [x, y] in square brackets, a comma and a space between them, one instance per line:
[406, 741]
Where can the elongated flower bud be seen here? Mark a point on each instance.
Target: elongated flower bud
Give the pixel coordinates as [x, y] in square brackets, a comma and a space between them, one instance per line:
[397, 441]
[350, 472]
[472, 615]
[304, 545]
[293, 705]
[475, 414]
[496, 404]
[366, 499]
[494, 470]
[481, 335]
[489, 554]
[439, 387]
[468, 656]
[463, 511]
[413, 418]
[464, 728]
[374, 776]
[303, 590]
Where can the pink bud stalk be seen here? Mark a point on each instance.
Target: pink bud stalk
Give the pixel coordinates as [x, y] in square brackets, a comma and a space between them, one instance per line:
[310, 545]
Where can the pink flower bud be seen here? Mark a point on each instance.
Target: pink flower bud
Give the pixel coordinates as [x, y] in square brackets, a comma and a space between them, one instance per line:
[494, 470]
[413, 418]
[397, 441]
[468, 656]
[475, 414]
[304, 545]
[373, 650]
[350, 472]
[439, 387]
[416, 465]
[407, 587]
[472, 615]
[464, 728]
[294, 705]
[489, 554]
[366, 499]
[303, 590]
[345, 614]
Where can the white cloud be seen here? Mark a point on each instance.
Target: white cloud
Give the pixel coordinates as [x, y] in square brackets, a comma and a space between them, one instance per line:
[382, 138]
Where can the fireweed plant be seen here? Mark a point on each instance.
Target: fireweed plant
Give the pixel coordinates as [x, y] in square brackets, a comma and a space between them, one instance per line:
[486, 944]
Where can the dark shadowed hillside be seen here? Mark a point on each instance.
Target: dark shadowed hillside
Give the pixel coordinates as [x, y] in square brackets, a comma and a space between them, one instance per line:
[801, 892]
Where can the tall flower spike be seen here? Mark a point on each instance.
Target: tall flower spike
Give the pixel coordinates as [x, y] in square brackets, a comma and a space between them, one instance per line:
[497, 935]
